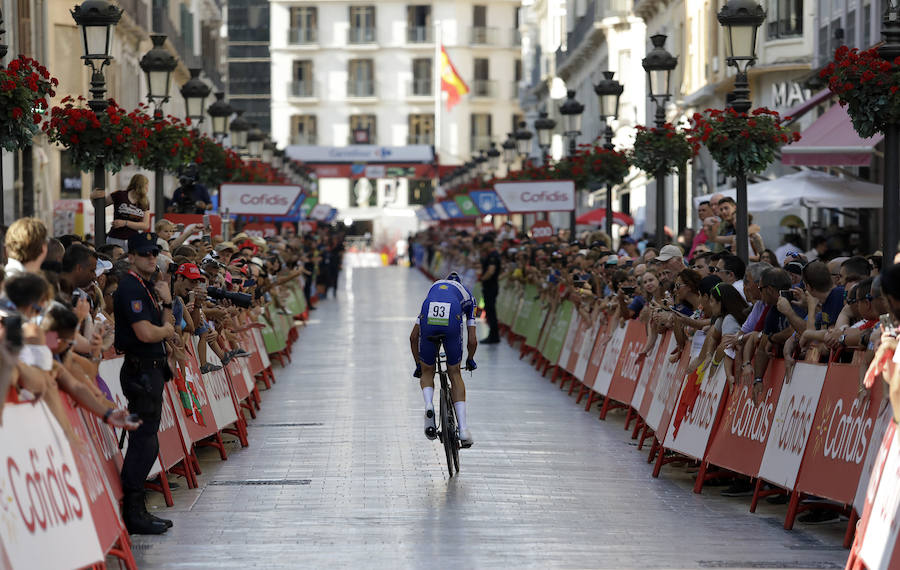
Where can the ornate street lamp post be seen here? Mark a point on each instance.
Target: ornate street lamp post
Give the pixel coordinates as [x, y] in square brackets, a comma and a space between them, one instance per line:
[608, 92]
[544, 126]
[741, 19]
[3, 48]
[890, 212]
[158, 64]
[493, 156]
[219, 111]
[239, 128]
[571, 111]
[659, 65]
[97, 20]
[255, 138]
[523, 141]
[195, 92]
[509, 150]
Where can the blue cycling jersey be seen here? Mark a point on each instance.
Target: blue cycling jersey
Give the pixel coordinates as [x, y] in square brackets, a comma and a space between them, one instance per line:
[445, 292]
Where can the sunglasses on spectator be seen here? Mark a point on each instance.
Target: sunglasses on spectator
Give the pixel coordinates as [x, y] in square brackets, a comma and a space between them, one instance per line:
[152, 253]
[713, 269]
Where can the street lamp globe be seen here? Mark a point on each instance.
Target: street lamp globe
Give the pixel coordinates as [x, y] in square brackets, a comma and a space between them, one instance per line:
[608, 93]
[544, 126]
[158, 64]
[509, 149]
[97, 20]
[659, 65]
[741, 19]
[571, 111]
[239, 129]
[220, 110]
[255, 138]
[481, 163]
[268, 151]
[493, 156]
[195, 92]
[278, 159]
[523, 139]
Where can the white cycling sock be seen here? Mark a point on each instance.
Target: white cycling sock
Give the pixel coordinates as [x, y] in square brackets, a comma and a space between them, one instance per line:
[428, 394]
[461, 414]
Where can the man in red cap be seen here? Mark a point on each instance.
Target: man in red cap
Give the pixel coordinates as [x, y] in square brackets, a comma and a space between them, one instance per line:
[188, 287]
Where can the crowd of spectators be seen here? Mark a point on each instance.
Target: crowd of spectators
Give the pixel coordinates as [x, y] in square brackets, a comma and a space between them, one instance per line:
[800, 305]
[66, 306]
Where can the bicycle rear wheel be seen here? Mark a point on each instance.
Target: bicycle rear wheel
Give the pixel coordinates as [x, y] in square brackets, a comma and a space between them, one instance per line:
[447, 427]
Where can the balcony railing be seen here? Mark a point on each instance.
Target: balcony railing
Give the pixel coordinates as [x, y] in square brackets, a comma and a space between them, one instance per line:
[479, 142]
[304, 140]
[516, 37]
[421, 88]
[596, 12]
[361, 36]
[427, 138]
[419, 35]
[483, 36]
[484, 88]
[303, 36]
[303, 89]
[361, 88]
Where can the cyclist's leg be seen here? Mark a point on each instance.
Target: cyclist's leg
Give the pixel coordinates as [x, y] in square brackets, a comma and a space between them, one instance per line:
[454, 352]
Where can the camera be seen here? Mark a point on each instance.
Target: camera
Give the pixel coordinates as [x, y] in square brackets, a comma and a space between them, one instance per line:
[12, 323]
[787, 294]
[242, 300]
[628, 290]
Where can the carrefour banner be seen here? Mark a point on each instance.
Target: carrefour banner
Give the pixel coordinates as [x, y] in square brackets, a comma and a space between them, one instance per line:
[540, 196]
[440, 211]
[487, 202]
[452, 209]
[466, 205]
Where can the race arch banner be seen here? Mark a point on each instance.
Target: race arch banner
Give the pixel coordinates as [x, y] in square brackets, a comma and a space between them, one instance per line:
[487, 202]
[537, 196]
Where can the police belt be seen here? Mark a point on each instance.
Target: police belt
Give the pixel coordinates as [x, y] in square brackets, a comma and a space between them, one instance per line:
[158, 362]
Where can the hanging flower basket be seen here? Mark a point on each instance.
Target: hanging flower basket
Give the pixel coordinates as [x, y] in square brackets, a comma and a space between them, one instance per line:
[867, 85]
[112, 138]
[593, 166]
[662, 151]
[742, 143]
[211, 159]
[168, 141]
[25, 87]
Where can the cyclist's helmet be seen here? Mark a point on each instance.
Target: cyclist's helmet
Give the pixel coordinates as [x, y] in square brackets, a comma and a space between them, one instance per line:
[454, 276]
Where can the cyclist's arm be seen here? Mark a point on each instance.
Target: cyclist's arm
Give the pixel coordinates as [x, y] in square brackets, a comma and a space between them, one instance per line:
[472, 342]
[414, 342]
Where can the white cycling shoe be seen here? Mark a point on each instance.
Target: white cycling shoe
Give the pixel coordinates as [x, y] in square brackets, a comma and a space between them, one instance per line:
[430, 427]
[465, 438]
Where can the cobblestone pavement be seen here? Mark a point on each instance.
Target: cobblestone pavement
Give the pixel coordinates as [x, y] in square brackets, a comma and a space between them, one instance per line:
[338, 473]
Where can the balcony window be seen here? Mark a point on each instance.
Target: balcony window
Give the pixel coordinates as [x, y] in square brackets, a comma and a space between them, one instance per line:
[418, 25]
[785, 19]
[361, 78]
[480, 34]
[303, 130]
[362, 25]
[482, 86]
[421, 129]
[304, 26]
[302, 79]
[480, 130]
[362, 129]
[422, 77]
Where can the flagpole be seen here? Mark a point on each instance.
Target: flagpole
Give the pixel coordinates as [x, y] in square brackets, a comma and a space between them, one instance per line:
[436, 71]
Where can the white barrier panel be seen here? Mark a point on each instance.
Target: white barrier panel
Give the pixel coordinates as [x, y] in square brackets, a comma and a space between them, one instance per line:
[884, 419]
[696, 426]
[217, 390]
[663, 391]
[792, 425]
[569, 341]
[608, 364]
[46, 519]
[880, 536]
[584, 352]
[644, 380]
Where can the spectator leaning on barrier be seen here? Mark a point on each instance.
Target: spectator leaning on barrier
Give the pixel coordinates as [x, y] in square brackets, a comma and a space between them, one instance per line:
[730, 268]
[26, 246]
[143, 315]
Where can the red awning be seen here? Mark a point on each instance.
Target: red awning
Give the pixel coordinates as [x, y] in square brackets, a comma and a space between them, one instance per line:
[598, 216]
[830, 141]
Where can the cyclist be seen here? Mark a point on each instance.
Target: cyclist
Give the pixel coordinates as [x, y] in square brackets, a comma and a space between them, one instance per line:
[446, 309]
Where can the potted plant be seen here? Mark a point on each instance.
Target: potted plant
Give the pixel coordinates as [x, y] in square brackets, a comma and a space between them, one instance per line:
[867, 85]
[661, 151]
[25, 87]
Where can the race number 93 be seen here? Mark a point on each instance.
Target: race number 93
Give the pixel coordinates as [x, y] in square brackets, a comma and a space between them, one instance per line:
[438, 313]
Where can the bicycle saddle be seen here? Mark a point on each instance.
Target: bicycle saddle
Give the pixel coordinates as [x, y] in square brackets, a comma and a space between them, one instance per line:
[436, 338]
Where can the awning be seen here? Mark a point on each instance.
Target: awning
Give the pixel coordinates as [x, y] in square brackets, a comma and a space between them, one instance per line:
[598, 216]
[830, 141]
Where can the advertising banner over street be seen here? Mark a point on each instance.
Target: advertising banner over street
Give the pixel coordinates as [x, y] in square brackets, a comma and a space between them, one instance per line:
[452, 209]
[541, 196]
[258, 199]
[487, 201]
[466, 205]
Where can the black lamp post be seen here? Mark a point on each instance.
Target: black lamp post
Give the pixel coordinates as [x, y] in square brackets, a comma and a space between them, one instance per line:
[571, 111]
[268, 151]
[523, 140]
[219, 111]
[544, 126]
[195, 92]
[741, 19]
[97, 20]
[158, 64]
[509, 150]
[890, 212]
[239, 128]
[659, 65]
[481, 164]
[493, 156]
[608, 93]
[255, 138]
[3, 48]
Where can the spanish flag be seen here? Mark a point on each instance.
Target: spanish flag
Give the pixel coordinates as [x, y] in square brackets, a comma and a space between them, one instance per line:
[451, 82]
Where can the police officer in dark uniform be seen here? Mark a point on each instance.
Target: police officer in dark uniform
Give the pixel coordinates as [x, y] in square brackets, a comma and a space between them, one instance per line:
[143, 310]
[490, 286]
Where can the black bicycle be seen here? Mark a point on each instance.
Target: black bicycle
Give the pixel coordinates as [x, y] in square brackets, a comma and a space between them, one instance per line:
[447, 431]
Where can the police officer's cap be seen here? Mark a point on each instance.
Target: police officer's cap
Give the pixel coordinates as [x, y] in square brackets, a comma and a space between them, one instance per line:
[143, 243]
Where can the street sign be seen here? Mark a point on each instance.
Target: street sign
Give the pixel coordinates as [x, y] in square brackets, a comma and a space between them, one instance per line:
[542, 231]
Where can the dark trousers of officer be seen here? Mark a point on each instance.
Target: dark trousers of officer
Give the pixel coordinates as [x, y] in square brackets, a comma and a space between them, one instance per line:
[142, 382]
[489, 292]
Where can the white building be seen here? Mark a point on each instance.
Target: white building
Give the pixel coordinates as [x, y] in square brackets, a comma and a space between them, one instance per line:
[353, 72]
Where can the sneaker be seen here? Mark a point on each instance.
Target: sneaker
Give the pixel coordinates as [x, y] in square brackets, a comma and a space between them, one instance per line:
[779, 499]
[738, 489]
[465, 438]
[209, 367]
[430, 428]
[819, 516]
[226, 358]
[240, 353]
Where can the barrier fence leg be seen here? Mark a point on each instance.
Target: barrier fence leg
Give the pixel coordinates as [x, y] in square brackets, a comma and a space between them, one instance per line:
[631, 415]
[573, 384]
[215, 440]
[163, 486]
[557, 372]
[605, 407]
[638, 424]
[851, 528]
[584, 390]
[122, 550]
[755, 499]
[646, 433]
[654, 449]
[792, 510]
[701, 477]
